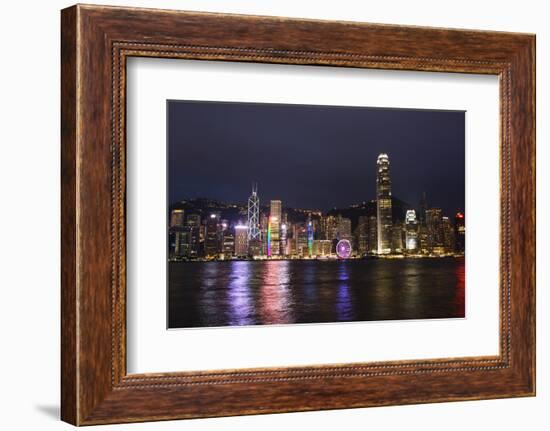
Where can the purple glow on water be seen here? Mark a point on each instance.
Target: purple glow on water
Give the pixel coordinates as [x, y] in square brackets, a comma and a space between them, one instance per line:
[239, 295]
[344, 305]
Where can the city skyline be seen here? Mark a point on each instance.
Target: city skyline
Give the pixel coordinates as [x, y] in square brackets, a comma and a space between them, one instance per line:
[273, 234]
[320, 159]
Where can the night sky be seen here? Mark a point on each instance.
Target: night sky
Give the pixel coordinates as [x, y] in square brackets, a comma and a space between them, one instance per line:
[313, 157]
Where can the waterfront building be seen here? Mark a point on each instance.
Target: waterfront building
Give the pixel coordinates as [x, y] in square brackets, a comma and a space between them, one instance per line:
[291, 246]
[264, 224]
[316, 223]
[383, 207]
[181, 242]
[194, 224]
[411, 232]
[423, 208]
[212, 235]
[373, 235]
[434, 224]
[460, 232]
[253, 217]
[177, 218]
[227, 243]
[322, 247]
[343, 228]
[241, 240]
[448, 235]
[309, 228]
[423, 239]
[329, 227]
[362, 235]
[300, 239]
[274, 229]
[397, 238]
[284, 239]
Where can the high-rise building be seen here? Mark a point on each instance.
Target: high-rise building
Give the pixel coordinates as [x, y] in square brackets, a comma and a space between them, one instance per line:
[211, 241]
[227, 243]
[300, 240]
[434, 227]
[274, 229]
[383, 207]
[362, 235]
[460, 232]
[321, 247]
[194, 224]
[423, 239]
[309, 228]
[241, 240]
[181, 248]
[373, 234]
[284, 239]
[253, 222]
[448, 235]
[177, 218]
[423, 208]
[343, 228]
[330, 227]
[397, 237]
[264, 225]
[411, 232]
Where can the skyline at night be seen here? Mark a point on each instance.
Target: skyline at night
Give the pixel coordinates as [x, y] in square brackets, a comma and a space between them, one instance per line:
[287, 214]
[314, 157]
[207, 229]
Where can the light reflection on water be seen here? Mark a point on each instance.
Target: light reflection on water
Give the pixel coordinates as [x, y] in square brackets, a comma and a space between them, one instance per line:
[241, 293]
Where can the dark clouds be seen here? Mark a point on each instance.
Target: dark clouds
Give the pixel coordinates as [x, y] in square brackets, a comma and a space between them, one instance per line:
[313, 156]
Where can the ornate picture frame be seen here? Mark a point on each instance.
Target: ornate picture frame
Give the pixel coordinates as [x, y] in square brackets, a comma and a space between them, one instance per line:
[96, 41]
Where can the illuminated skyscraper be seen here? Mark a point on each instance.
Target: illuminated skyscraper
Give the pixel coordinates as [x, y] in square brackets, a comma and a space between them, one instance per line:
[397, 237]
[310, 236]
[448, 235]
[383, 207]
[373, 235]
[284, 239]
[211, 241]
[460, 232]
[330, 227]
[274, 228]
[411, 231]
[343, 226]
[322, 247]
[227, 243]
[423, 208]
[177, 218]
[194, 224]
[434, 224]
[264, 226]
[254, 233]
[241, 240]
[362, 235]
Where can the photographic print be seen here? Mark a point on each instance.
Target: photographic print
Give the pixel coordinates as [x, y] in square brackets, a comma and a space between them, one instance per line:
[302, 214]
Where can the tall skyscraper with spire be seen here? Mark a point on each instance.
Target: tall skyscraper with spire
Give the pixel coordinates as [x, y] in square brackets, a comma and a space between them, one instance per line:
[254, 233]
[254, 215]
[383, 204]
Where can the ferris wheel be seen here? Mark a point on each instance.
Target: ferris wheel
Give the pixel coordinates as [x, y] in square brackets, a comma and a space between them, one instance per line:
[343, 249]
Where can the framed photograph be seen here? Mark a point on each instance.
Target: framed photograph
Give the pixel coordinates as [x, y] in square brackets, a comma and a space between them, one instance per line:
[266, 215]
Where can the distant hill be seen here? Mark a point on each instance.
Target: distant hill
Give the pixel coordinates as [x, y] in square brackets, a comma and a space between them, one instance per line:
[235, 213]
